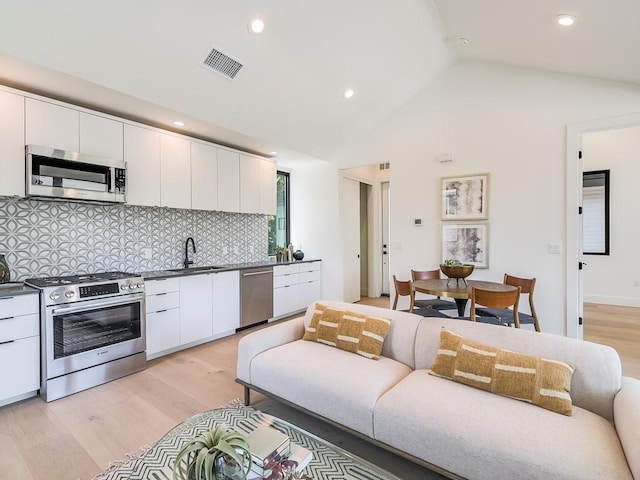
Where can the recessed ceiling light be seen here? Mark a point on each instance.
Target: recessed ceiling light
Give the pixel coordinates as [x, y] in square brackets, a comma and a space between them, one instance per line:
[256, 25]
[565, 20]
[273, 153]
[348, 93]
[463, 41]
[178, 123]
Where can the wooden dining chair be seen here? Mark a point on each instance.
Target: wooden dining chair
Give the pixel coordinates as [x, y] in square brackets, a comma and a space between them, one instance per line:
[496, 300]
[436, 303]
[505, 315]
[404, 288]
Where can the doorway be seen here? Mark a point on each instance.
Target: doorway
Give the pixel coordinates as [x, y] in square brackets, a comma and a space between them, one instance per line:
[577, 141]
[361, 227]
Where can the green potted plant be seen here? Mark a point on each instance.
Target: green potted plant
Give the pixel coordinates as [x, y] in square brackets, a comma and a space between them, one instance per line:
[219, 453]
[280, 251]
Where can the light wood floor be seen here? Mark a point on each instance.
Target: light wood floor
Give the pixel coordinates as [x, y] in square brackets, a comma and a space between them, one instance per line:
[76, 437]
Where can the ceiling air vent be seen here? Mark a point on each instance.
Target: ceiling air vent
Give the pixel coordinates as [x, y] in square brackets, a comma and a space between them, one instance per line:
[222, 63]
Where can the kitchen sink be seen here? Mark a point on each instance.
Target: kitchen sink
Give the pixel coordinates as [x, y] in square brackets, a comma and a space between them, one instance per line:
[195, 269]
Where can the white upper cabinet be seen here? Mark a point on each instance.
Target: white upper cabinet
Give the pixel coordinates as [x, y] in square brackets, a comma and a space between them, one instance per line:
[101, 136]
[12, 178]
[249, 184]
[268, 187]
[142, 154]
[175, 172]
[204, 177]
[52, 126]
[228, 181]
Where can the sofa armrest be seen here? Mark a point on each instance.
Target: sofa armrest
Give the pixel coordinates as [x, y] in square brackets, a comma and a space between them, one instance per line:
[266, 339]
[626, 417]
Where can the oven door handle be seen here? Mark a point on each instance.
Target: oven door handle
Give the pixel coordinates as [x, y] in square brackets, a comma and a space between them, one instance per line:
[93, 306]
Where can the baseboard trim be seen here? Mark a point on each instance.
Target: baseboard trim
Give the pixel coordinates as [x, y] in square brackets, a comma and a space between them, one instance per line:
[618, 301]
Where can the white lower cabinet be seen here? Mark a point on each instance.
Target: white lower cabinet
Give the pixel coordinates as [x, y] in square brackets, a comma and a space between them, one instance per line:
[226, 302]
[196, 308]
[163, 315]
[295, 286]
[19, 347]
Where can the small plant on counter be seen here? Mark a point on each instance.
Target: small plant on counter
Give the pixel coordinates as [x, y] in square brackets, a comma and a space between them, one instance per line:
[452, 263]
[212, 455]
[280, 253]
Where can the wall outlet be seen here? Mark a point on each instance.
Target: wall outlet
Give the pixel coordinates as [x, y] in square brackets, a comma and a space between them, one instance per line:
[554, 248]
[147, 253]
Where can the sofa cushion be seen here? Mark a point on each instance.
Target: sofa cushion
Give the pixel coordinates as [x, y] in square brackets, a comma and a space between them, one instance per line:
[598, 373]
[347, 330]
[327, 381]
[532, 379]
[476, 434]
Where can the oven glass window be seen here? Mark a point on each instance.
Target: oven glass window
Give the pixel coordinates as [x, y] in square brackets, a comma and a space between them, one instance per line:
[78, 332]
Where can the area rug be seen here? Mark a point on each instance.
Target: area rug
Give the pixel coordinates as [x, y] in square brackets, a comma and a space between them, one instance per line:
[155, 463]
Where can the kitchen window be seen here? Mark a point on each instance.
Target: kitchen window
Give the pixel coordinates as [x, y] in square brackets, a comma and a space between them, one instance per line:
[279, 231]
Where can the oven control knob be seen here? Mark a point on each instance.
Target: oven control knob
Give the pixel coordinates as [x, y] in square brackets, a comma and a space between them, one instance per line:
[123, 287]
[54, 296]
[132, 286]
[69, 294]
[140, 285]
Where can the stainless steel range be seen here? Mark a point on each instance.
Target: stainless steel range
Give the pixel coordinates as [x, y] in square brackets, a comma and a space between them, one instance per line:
[92, 330]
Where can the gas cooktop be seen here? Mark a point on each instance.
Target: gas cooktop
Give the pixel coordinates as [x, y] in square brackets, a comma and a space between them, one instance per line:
[43, 282]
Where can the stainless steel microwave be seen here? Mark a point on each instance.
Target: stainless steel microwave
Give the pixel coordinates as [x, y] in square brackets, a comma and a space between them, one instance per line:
[61, 174]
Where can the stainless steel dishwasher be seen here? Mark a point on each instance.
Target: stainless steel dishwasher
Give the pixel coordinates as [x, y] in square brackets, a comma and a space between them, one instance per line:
[256, 295]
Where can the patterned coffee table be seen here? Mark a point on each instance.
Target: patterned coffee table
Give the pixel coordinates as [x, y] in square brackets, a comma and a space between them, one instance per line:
[329, 461]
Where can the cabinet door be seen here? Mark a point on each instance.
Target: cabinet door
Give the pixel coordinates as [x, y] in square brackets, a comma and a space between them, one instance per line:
[285, 300]
[268, 187]
[309, 292]
[228, 181]
[226, 301]
[175, 172]
[12, 144]
[204, 177]
[163, 330]
[24, 353]
[52, 126]
[142, 154]
[101, 136]
[196, 308]
[249, 184]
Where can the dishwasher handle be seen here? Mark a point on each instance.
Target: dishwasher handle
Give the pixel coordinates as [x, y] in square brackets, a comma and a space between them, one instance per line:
[263, 272]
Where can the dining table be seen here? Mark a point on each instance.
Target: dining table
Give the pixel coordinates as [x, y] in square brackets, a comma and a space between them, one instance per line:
[459, 290]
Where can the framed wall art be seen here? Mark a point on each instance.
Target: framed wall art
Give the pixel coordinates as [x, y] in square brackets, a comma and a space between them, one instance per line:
[465, 198]
[465, 242]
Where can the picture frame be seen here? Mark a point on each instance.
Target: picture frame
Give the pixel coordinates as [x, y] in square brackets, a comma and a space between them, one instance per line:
[465, 197]
[467, 243]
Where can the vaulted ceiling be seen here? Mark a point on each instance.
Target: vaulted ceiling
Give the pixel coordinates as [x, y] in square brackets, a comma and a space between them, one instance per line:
[143, 59]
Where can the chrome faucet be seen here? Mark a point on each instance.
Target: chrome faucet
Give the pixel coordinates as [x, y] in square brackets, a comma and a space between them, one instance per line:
[188, 262]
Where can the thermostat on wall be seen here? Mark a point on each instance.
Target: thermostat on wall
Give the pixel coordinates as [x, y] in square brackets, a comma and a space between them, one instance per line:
[417, 222]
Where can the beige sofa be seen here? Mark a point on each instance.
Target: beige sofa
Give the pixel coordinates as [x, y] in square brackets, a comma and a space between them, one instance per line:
[460, 431]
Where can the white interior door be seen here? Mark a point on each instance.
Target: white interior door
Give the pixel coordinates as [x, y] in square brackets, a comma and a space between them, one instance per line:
[385, 238]
[351, 238]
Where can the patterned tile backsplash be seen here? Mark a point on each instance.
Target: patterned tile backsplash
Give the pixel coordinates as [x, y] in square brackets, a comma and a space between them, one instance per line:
[52, 238]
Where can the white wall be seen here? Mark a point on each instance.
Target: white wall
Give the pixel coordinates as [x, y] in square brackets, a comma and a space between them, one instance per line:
[314, 222]
[511, 123]
[611, 279]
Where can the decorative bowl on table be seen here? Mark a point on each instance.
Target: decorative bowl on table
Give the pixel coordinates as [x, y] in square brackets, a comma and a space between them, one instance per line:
[457, 271]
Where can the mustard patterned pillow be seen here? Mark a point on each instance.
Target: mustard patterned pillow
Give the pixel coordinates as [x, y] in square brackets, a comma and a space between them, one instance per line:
[350, 331]
[540, 381]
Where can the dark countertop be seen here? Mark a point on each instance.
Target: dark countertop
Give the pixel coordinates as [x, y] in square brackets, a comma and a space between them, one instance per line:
[195, 270]
[12, 289]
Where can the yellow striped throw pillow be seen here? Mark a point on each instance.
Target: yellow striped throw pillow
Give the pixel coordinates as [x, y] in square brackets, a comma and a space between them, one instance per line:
[348, 331]
[540, 381]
